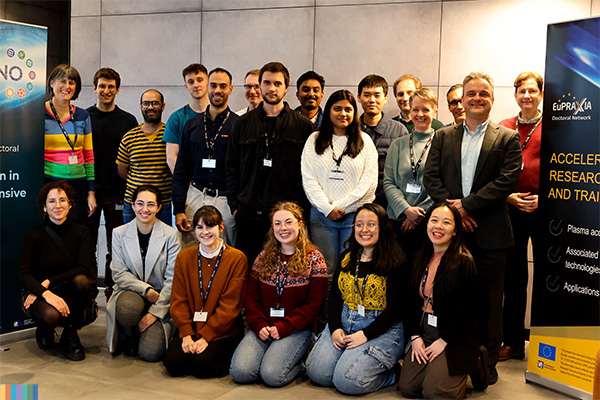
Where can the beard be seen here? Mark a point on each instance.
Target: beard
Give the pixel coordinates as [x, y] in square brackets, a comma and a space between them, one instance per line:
[152, 119]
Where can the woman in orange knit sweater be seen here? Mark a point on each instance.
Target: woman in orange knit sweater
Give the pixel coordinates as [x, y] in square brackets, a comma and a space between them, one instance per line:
[206, 300]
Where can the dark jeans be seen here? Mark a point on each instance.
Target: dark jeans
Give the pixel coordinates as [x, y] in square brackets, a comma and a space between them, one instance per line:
[112, 218]
[525, 226]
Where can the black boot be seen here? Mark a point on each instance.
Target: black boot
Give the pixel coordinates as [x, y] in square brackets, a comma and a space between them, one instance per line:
[44, 338]
[70, 346]
[131, 344]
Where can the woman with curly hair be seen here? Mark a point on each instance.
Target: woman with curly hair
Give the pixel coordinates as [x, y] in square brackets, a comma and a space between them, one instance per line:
[286, 292]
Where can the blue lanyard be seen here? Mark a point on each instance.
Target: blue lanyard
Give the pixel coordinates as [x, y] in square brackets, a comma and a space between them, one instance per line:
[280, 283]
[203, 295]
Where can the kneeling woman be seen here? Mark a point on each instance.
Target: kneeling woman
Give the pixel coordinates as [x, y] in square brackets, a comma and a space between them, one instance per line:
[443, 328]
[208, 294]
[287, 290]
[55, 271]
[359, 348]
[144, 252]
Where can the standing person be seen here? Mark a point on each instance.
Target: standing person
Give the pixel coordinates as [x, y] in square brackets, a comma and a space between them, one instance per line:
[142, 160]
[372, 96]
[475, 166]
[310, 94]
[68, 146]
[195, 78]
[408, 201]
[144, 252]
[206, 301]
[263, 160]
[251, 92]
[443, 325]
[524, 214]
[404, 87]
[55, 272]
[339, 174]
[454, 98]
[360, 346]
[109, 124]
[286, 292]
[199, 177]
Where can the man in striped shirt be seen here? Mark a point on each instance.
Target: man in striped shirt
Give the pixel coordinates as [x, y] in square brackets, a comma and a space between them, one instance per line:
[142, 156]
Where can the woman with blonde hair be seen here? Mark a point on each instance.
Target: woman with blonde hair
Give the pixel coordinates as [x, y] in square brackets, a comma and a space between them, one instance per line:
[286, 292]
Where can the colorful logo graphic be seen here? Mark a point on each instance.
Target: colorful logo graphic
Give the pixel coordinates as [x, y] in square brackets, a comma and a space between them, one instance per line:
[547, 351]
[10, 52]
[16, 73]
[19, 392]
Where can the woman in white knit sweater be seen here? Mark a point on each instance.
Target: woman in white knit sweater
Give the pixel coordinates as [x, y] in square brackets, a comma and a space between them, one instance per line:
[339, 174]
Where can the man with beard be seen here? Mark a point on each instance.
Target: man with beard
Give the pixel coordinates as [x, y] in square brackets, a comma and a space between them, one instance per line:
[195, 78]
[372, 96]
[310, 87]
[109, 124]
[142, 159]
[263, 160]
[199, 177]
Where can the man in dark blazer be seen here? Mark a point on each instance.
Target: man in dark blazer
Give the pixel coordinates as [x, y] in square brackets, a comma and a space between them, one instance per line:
[475, 166]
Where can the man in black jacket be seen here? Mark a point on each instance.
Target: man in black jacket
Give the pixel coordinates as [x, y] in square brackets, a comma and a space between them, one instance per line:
[263, 160]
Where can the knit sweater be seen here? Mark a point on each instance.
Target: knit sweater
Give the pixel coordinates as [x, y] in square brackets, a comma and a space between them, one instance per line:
[225, 299]
[530, 175]
[359, 181]
[398, 173]
[302, 298]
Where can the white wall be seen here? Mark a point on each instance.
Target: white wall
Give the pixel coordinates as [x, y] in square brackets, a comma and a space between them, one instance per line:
[149, 42]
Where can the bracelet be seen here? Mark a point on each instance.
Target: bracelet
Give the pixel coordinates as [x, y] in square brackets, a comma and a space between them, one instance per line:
[413, 339]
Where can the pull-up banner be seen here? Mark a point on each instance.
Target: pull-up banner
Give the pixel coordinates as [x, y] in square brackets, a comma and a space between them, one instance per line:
[22, 90]
[565, 315]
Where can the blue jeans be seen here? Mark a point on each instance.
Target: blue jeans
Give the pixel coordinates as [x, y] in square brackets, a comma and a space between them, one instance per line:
[278, 362]
[330, 236]
[165, 215]
[363, 369]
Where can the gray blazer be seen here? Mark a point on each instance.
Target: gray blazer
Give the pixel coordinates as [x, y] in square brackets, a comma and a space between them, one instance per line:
[496, 176]
[128, 272]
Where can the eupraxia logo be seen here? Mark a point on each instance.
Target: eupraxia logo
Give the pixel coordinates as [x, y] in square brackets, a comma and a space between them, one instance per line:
[572, 108]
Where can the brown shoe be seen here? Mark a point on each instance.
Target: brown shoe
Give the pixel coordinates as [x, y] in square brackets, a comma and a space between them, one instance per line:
[508, 352]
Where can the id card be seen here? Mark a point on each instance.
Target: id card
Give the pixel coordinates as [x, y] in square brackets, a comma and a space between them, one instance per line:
[118, 207]
[432, 320]
[72, 160]
[277, 312]
[267, 162]
[336, 175]
[200, 316]
[209, 163]
[361, 310]
[413, 188]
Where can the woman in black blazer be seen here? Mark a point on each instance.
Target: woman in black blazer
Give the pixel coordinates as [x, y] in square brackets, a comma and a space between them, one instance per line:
[443, 326]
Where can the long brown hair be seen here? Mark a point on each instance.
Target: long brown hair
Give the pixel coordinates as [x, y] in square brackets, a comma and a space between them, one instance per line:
[297, 265]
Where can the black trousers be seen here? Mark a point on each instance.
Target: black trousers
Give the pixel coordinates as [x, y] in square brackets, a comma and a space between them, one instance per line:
[251, 234]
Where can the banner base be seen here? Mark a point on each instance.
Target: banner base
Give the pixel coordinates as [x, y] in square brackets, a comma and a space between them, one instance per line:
[557, 386]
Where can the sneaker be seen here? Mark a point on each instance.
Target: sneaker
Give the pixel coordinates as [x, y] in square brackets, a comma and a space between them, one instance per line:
[70, 345]
[480, 378]
[508, 352]
[44, 338]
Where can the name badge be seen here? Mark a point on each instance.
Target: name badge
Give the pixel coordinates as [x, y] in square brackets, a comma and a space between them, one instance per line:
[267, 162]
[200, 316]
[361, 310]
[413, 188]
[72, 160]
[336, 175]
[432, 320]
[118, 207]
[277, 312]
[209, 163]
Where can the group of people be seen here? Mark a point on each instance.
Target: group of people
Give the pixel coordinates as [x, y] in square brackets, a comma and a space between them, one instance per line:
[348, 221]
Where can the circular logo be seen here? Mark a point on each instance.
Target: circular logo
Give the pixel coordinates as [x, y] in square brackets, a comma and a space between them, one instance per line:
[21, 92]
[32, 75]
[21, 54]
[10, 52]
[29, 62]
[29, 86]
[10, 92]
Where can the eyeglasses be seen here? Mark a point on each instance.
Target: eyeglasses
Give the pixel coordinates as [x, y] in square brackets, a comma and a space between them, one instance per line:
[454, 103]
[141, 204]
[248, 87]
[371, 225]
[288, 224]
[154, 103]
